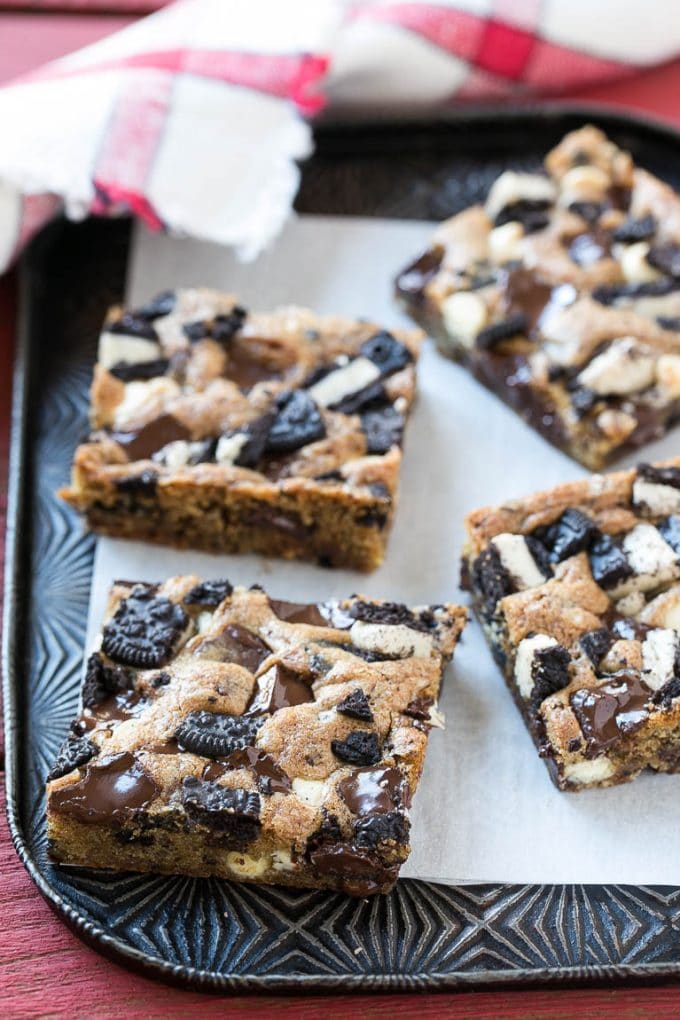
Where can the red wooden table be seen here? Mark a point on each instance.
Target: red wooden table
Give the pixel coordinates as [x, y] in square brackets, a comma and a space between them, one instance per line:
[45, 971]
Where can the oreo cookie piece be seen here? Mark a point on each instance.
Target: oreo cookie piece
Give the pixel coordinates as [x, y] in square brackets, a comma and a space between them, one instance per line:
[216, 736]
[195, 331]
[130, 371]
[632, 230]
[161, 304]
[74, 752]
[386, 352]
[209, 593]
[608, 562]
[226, 326]
[297, 423]
[531, 213]
[494, 334]
[383, 429]
[145, 630]
[372, 397]
[101, 681]
[666, 258]
[588, 211]
[392, 613]
[235, 813]
[143, 484]
[659, 475]
[490, 578]
[596, 644]
[391, 827]
[570, 534]
[550, 672]
[356, 706]
[671, 322]
[360, 747]
[665, 695]
[257, 434]
[132, 324]
[608, 293]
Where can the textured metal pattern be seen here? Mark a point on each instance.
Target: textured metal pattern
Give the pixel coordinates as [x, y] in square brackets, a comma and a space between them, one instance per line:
[215, 934]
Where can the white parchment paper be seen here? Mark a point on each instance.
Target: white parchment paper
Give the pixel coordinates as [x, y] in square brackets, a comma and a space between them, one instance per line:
[486, 810]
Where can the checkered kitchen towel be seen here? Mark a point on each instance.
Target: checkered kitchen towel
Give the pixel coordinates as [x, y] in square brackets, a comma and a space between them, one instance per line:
[193, 119]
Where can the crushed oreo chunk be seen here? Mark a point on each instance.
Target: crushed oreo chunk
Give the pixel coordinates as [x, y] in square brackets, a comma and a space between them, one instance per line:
[356, 706]
[386, 352]
[235, 813]
[209, 593]
[143, 484]
[145, 630]
[659, 475]
[74, 752]
[539, 554]
[360, 747]
[383, 429]
[570, 534]
[550, 673]
[391, 827]
[386, 612]
[372, 397]
[216, 736]
[256, 434]
[132, 324]
[130, 371]
[226, 326]
[632, 230]
[490, 578]
[494, 334]
[588, 211]
[101, 681]
[161, 304]
[532, 213]
[596, 644]
[195, 331]
[665, 695]
[297, 423]
[609, 293]
[671, 322]
[608, 562]
[161, 680]
[666, 258]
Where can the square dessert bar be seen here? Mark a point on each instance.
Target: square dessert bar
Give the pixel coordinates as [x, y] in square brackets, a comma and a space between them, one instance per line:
[223, 732]
[562, 295]
[578, 591]
[230, 431]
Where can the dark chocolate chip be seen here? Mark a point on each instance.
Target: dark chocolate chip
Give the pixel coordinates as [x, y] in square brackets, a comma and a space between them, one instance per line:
[297, 423]
[356, 706]
[669, 529]
[532, 213]
[386, 352]
[632, 230]
[504, 330]
[490, 578]
[216, 736]
[666, 258]
[161, 304]
[209, 593]
[74, 752]
[145, 630]
[360, 747]
[383, 429]
[101, 681]
[132, 324]
[143, 484]
[128, 371]
[596, 644]
[569, 535]
[235, 813]
[257, 434]
[550, 673]
[391, 827]
[386, 612]
[161, 680]
[608, 562]
[611, 711]
[659, 475]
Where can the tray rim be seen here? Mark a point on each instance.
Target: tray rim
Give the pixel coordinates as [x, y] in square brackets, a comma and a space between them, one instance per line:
[16, 543]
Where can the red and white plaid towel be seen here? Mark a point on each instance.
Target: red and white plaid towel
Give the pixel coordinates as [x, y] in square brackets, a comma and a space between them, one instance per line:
[194, 118]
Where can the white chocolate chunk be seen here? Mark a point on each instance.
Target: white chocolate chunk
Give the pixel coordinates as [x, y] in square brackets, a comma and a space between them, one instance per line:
[342, 382]
[524, 661]
[585, 773]
[668, 375]
[115, 347]
[624, 367]
[436, 718]
[505, 243]
[615, 424]
[229, 447]
[148, 396]
[583, 184]
[655, 499]
[513, 187]
[664, 610]
[517, 560]
[395, 640]
[659, 649]
[245, 865]
[204, 622]
[174, 455]
[634, 264]
[631, 605]
[465, 316]
[282, 861]
[311, 791]
[653, 560]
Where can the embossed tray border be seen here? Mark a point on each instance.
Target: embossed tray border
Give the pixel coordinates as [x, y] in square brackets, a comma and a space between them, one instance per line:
[560, 929]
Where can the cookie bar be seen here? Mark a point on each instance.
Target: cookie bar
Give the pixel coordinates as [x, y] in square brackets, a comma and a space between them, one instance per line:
[230, 431]
[562, 295]
[224, 732]
[578, 591]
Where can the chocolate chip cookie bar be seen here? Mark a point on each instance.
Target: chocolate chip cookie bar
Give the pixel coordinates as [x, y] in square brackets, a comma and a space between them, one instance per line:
[224, 732]
[562, 295]
[578, 591]
[229, 431]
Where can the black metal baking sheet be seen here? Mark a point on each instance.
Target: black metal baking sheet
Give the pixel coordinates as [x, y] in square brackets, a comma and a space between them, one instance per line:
[211, 934]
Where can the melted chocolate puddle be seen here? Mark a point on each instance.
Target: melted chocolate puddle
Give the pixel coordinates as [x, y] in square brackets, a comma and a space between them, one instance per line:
[143, 442]
[246, 370]
[288, 689]
[525, 293]
[612, 711]
[116, 708]
[235, 644]
[298, 612]
[369, 790]
[269, 777]
[109, 791]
